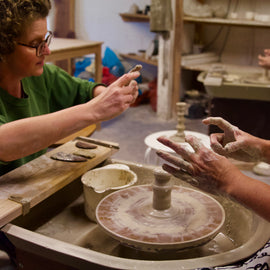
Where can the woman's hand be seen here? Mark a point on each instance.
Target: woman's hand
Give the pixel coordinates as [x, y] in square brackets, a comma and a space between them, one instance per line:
[234, 143]
[266, 52]
[214, 173]
[111, 101]
[202, 168]
[264, 61]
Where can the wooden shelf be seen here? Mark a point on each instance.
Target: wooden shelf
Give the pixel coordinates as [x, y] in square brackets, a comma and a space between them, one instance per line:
[127, 17]
[140, 59]
[228, 22]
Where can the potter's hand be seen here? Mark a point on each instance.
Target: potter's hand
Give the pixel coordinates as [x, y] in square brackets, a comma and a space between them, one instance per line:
[113, 100]
[264, 61]
[266, 52]
[202, 168]
[233, 143]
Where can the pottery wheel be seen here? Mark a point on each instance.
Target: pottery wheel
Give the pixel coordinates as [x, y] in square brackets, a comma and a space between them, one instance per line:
[193, 218]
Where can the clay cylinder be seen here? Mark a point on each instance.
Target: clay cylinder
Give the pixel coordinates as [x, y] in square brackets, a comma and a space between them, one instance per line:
[162, 188]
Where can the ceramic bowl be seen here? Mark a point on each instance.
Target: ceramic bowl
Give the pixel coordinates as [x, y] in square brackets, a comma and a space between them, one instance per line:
[100, 182]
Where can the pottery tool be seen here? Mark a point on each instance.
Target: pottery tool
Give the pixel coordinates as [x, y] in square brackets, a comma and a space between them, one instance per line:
[136, 68]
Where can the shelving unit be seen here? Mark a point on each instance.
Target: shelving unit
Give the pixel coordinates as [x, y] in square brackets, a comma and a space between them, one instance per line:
[220, 106]
[127, 17]
[241, 112]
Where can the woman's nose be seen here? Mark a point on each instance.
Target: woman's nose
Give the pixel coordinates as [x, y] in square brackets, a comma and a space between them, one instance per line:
[46, 50]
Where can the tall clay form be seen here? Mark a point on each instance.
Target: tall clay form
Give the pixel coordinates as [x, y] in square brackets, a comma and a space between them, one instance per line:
[180, 135]
[162, 188]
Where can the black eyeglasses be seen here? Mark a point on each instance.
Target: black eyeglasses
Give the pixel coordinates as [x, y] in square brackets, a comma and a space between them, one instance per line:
[40, 47]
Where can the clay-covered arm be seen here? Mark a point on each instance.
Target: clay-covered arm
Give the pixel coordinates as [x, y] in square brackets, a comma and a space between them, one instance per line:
[214, 173]
[26, 136]
[237, 144]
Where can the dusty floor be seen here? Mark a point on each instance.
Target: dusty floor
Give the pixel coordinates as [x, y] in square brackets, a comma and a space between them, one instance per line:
[130, 129]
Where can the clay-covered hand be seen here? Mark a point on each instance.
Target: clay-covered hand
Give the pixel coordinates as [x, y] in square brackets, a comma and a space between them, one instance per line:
[264, 60]
[234, 143]
[202, 167]
[111, 101]
[266, 52]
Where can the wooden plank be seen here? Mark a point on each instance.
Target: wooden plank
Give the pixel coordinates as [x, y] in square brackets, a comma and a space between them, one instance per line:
[9, 210]
[64, 27]
[176, 58]
[67, 44]
[127, 17]
[35, 181]
[169, 63]
[164, 88]
[64, 18]
[227, 22]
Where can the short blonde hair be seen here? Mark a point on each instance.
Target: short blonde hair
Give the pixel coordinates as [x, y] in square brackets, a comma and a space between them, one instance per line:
[15, 15]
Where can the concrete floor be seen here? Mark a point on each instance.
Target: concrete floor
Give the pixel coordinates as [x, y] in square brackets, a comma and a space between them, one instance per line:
[130, 129]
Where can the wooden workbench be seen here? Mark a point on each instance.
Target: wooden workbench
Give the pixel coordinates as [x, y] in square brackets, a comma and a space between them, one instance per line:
[67, 48]
[33, 182]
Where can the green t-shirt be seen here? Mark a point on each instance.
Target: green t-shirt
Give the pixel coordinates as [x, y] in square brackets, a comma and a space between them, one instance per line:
[52, 91]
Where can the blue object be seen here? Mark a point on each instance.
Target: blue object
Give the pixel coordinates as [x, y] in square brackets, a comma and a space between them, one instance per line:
[111, 61]
[80, 66]
[139, 79]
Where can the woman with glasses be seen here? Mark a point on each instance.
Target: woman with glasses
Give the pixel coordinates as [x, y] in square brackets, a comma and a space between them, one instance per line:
[40, 104]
